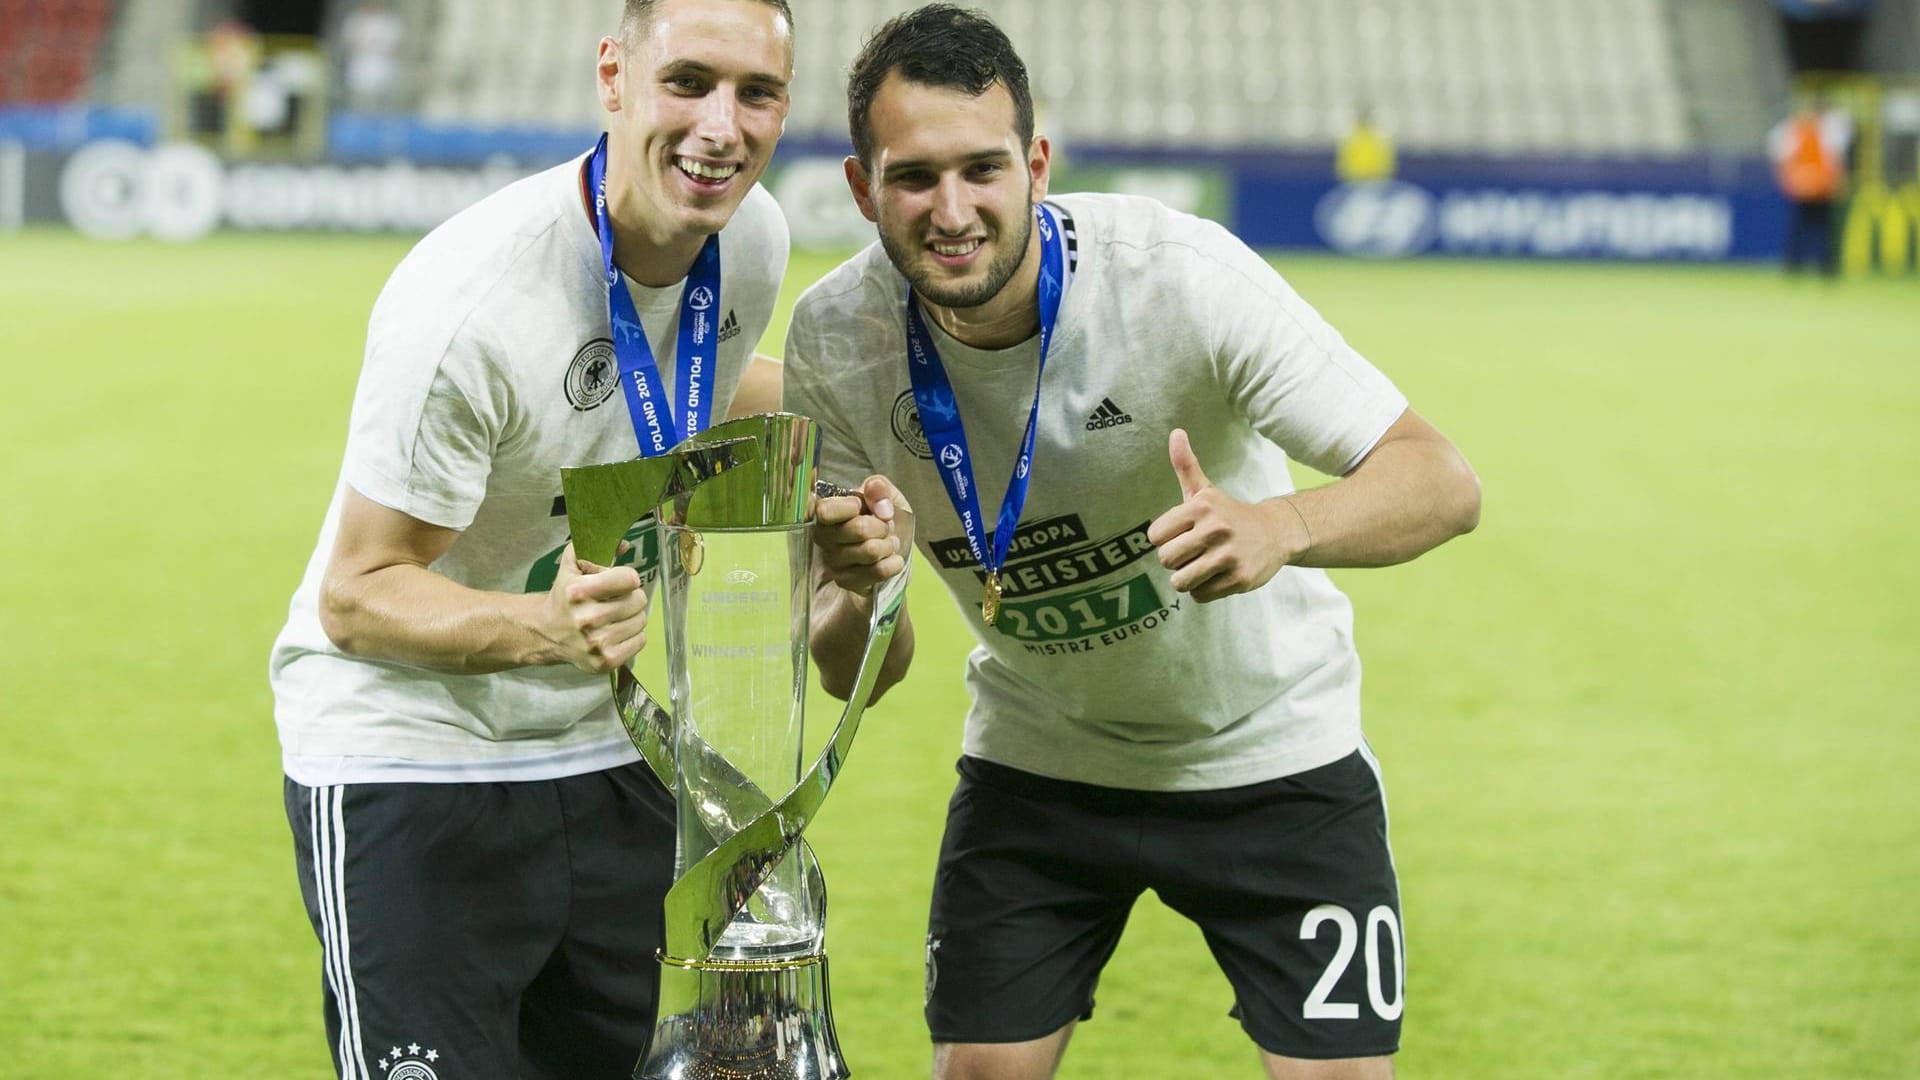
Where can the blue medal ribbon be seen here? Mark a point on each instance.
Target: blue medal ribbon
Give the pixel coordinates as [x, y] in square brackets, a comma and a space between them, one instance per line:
[947, 435]
[656, 423]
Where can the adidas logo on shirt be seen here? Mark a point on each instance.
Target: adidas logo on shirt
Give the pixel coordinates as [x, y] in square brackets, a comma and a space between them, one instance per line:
[1107, 415]
[730, 327]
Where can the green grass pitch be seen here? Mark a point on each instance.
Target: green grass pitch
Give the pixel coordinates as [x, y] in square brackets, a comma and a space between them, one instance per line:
[1651, 735]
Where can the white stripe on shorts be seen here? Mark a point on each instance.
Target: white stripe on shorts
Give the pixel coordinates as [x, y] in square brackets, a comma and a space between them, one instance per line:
[323, 902]
[329, 874]
[1366, 754]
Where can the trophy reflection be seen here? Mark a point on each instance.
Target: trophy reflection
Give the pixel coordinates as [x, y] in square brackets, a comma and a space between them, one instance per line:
[743, 979]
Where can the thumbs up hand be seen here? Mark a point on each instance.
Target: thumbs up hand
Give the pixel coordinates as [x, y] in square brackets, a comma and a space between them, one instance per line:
[1215, 544]
[1186, 465]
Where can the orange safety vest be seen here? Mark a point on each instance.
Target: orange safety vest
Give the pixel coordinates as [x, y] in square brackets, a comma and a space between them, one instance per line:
[1809, 172]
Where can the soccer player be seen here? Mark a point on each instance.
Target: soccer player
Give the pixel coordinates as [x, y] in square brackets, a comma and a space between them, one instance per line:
[481, 851]
[1089, 402]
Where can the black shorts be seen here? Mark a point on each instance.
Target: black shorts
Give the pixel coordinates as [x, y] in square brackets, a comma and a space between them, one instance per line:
[1290, 881]
[487, 929]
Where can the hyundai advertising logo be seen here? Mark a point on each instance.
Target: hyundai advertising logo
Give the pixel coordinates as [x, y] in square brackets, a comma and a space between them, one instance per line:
[1382, 220]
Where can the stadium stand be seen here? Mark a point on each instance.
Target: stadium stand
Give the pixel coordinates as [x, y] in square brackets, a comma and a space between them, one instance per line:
[1731, 71]
[139, 73]
[1506, 76]
[1565, 78]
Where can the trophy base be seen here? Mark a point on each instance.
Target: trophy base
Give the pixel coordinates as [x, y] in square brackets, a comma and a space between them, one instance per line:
[743, 1020]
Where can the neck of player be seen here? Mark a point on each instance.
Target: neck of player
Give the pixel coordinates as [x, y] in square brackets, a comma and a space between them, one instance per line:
[646, 245]
[1010, 317]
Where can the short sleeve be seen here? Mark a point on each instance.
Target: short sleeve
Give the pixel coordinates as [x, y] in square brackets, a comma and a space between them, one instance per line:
[764, 240]
[427, 419]
[1293, 377]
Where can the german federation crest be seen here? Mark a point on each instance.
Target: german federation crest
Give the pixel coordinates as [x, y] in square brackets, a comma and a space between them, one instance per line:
[593, 375]
[906, 426]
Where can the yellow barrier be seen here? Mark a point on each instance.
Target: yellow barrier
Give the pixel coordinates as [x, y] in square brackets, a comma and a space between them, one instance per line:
[1880, 228]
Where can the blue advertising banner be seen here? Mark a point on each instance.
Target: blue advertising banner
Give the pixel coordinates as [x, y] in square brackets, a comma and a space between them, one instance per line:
[1668, 212]
[51, 128]
[102, 171]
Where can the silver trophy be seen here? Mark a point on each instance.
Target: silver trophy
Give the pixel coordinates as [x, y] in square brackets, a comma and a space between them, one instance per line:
[743, 977]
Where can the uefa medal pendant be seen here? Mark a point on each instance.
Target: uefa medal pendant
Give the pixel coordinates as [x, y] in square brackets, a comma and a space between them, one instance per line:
[693, 552]
[990, 602]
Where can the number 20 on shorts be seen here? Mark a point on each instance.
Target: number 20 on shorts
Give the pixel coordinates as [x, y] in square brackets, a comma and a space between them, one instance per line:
[1317, 1006]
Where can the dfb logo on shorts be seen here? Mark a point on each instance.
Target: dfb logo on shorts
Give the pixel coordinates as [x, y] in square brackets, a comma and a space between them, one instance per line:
[411, 1063]
[593, 375]
[907, 429]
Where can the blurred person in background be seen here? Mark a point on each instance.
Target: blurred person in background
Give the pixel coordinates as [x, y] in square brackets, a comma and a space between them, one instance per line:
[1809, 154]
[1366, 154]
[481, 850]
[233, 49]
[229, 55]
[372, 35]
[1165, 689]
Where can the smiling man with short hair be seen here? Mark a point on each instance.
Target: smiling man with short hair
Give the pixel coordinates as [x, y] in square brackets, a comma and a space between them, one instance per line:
[1165, 689]
[482, 853]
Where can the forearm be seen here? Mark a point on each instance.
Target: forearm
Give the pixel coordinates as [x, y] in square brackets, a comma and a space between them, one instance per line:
[1408, 497]
[839, 636]
[413, 615]
[759, 389]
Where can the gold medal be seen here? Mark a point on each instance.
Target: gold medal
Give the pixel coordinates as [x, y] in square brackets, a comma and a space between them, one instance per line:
[693, 552]
[990, 603]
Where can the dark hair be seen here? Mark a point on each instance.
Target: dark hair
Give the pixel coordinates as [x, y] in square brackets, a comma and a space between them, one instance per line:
[937, 45]
[640, 12]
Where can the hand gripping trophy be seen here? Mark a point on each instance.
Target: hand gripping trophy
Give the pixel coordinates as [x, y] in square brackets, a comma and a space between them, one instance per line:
[743, 978]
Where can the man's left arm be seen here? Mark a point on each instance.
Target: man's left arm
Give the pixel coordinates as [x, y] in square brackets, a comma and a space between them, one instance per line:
[1411, 493]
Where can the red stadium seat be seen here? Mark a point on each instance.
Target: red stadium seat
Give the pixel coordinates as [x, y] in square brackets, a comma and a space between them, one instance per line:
[72, 18]
[55, 75]
[48, 47]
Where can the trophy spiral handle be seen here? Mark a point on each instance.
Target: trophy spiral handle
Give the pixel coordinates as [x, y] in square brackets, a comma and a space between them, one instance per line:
[710, 893]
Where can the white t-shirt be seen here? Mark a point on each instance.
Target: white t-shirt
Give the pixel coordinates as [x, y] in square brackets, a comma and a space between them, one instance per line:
[1097, 670]
[372, 37]
[489, 367]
